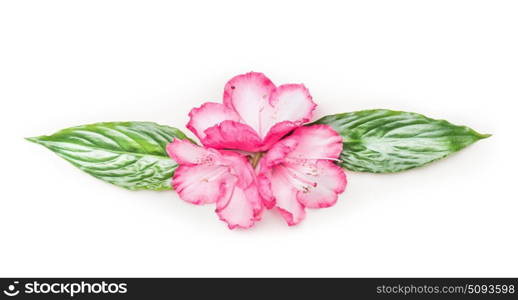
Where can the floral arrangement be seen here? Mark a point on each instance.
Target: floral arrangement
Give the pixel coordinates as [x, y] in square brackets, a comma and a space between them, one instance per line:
[258, 150]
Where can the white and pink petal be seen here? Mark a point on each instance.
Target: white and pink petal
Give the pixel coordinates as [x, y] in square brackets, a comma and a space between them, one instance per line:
[277, 132]
[206, 176]
[241, 208]
[247, 95]
[201, 184]
[208, 115]
[265, 188]
[288, 102]
[232, 135]
[285, 195]
[321, 183]
[315, 142]
[186, 153]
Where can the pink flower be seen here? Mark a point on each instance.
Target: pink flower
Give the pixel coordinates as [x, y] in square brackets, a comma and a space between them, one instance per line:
[290, 172]
[226, 178]
[254, 115]
[299, 172]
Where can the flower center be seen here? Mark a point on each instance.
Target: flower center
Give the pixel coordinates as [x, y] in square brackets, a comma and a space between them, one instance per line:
[255, 158]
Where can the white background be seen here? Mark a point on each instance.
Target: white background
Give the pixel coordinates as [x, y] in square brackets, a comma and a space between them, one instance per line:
[66, 63]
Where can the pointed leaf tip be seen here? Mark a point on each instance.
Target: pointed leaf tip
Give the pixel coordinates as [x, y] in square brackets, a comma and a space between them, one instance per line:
[385, 141]
[131, 155]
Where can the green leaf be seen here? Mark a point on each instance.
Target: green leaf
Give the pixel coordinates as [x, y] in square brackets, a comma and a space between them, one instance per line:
[128, 154]
[385, 141]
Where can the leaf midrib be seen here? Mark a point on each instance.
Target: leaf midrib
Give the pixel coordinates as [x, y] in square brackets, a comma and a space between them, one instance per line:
[345, 140]
[37, 140]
